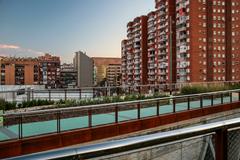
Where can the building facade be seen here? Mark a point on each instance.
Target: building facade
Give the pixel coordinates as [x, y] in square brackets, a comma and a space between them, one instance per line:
[49, 71]
[19, 71]
[113, 75]
[101, 65]
[194, 41]
[208, 35]
[84, 67]
[135, 52]
[68, 76]
[152, 49]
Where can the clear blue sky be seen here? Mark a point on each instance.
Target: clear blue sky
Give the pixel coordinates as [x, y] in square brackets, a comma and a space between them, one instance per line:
[61, 27]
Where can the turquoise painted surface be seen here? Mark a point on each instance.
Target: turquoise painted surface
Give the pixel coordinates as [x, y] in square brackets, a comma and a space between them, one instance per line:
[45, 127]
[3, 137]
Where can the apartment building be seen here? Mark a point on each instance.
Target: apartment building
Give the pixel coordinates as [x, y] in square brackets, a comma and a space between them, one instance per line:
[124, 61]
[135, 52]
[207, 40]
[152, 49]
[49, 71]
[19, 71]
[166, 40]
[101, 65]
[195, 41]
[68, 76]
[114, 75]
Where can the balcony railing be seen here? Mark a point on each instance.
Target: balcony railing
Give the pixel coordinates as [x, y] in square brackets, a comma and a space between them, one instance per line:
[37, 123]
[223, 136]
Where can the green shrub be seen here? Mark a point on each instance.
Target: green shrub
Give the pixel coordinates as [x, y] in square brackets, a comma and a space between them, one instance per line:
[203, 89]
[4, 105]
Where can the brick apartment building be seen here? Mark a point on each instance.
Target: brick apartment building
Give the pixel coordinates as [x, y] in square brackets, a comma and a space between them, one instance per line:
[134, 52]
[49, 70]
[44, 70]
[204, 35]
[19, 71]
[68, 76]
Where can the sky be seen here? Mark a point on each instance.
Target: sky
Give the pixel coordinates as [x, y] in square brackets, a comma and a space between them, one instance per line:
[62, 27]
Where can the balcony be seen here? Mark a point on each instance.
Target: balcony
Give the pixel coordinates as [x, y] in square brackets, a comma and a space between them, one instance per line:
[162, 66]
[162, 46]
[136, 62]
[151, 73]
[151, 36]
[151, 55]
[162, 53]
[163, 73]
[152, 66]
[129, 58]
[137, 39]
[182, 36]
[151, 49]
[151, 60]
[151, 78]
[162, 60]
[137, 50]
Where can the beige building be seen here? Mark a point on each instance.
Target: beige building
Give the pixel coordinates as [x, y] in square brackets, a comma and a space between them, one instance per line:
[100, 68]
[84, 66]
[114, 75]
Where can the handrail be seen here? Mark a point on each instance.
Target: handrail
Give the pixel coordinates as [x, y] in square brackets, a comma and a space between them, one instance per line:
[118, 146]
[122, 103]
[126, 86]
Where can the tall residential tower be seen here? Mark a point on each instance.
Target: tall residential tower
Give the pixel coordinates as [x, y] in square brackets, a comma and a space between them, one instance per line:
[195, 41]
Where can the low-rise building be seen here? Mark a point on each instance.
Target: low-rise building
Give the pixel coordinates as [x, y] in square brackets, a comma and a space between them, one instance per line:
[114, 75]
[49, 70]
[101, 65]
[19, 71]
[68, 76]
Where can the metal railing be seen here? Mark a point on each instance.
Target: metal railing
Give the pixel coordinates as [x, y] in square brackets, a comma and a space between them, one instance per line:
[221, 131]
[96, 92]
[35, 123]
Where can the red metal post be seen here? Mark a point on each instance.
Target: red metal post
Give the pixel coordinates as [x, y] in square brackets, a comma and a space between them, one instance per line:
[158, 108]
[188, 101]
[139, 110]
[201, 101]
[221, 98]
[211, 100]
[58, 122]
[90, 118]
[116, 114]
[221, 144]
[174, 106]
[231, 98]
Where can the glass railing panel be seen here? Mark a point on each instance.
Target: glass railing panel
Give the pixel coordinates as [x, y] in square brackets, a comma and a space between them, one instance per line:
[127, 112]
[148, 109]
[74, 119]
[39, 124]
[9, 128]
[104, 115]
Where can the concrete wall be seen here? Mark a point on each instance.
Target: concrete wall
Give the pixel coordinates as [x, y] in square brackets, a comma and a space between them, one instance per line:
[84, 66]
